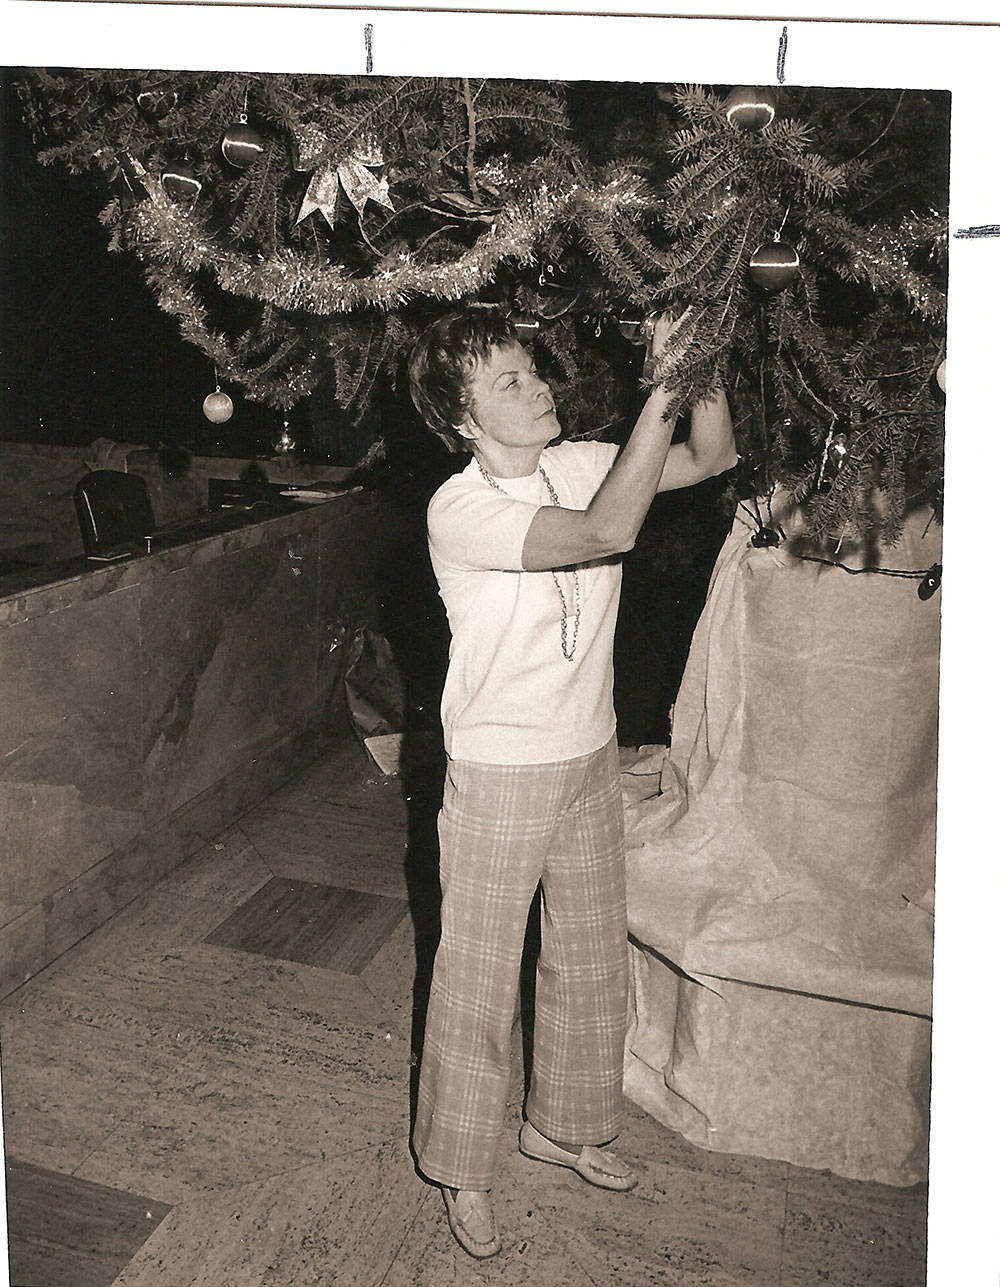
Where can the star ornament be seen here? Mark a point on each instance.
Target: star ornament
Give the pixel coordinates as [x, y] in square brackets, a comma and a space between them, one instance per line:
[354, 177]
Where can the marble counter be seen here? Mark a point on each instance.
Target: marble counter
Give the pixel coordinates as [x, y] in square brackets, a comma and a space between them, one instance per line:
[150, 701]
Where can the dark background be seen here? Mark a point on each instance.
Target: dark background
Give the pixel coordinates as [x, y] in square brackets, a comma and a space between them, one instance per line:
[86, 354]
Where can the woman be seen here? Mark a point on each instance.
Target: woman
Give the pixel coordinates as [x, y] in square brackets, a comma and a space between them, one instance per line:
[525, 545]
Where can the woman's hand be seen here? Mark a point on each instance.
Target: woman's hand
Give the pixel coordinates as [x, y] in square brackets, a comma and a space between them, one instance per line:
[660, 330]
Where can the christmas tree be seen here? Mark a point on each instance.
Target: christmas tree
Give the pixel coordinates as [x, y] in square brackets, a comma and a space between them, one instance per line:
[302, 229]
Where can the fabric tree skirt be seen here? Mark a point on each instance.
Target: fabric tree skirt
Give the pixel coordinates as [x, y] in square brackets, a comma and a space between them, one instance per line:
[742, 1069]
[780, 863]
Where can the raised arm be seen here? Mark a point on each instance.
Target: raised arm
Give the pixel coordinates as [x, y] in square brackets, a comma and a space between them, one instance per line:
[709, 450]
[610, 523]
[646, 464]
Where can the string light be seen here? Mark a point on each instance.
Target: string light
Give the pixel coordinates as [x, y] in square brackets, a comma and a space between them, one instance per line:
[930, 578]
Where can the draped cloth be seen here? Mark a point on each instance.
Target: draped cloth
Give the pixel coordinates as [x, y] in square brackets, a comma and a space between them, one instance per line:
[781, 864]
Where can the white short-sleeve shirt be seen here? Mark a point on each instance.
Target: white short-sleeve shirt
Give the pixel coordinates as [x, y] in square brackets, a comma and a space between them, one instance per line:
[510, 696]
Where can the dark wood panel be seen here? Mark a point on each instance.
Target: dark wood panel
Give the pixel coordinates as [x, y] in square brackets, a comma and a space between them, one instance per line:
[337, 929]
[65, 1232]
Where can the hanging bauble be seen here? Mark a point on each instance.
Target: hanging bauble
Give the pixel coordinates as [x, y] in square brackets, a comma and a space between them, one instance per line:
[553, 302]
[939, 375]
[156, 103]
[284, 443]
[180, 182]
[774, 265]
[526, 328]
[634, 328]
[218, 406]
[241, 144]
[930, 583]
[836, 452]
[750, 107]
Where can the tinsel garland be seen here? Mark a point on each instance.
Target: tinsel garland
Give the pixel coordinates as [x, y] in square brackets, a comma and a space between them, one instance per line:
[167, 233]
[880, 256]
[292, 383]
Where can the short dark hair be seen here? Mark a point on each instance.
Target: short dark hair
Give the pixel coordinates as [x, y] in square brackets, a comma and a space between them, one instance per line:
[442, 362]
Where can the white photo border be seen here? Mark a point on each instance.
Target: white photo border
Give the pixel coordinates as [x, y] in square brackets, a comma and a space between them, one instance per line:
[895, 46]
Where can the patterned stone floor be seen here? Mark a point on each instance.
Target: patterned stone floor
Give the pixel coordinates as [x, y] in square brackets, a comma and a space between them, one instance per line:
[213, 1090]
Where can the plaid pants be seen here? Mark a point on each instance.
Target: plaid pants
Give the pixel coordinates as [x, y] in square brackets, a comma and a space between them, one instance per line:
[504, 829]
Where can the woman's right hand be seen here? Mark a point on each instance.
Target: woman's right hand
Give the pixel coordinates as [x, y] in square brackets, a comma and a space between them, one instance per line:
[661, 330]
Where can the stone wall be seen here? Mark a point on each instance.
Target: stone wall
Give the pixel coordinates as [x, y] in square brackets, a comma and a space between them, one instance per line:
[149, 703]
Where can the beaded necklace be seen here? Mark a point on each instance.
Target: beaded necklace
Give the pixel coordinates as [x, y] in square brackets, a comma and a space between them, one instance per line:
[568, 649]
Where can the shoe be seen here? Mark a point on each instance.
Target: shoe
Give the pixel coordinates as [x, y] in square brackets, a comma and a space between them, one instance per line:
[596, 1165]
[470, 1216]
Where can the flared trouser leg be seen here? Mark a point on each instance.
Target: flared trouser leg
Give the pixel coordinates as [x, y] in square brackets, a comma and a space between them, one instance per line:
[581, 982]
[504, 828]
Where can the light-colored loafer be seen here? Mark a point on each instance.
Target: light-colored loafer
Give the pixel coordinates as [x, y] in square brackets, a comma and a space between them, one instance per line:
[596, 1165]
[470, 1217]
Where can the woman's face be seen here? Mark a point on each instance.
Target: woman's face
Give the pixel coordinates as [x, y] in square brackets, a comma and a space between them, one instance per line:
[511, 405]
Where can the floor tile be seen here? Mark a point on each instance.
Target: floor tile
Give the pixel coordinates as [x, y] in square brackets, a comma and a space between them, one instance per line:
[332, 845]
[155, 921]
[66, 1231]
[319, 925]
[228, 870]
[200, 1067]
[347, 775]
[910, 1203]
[341, 822]
[676, 1226]
[182, 1153]
[534, 1253]
[340, 1222]
[840, 1245]
[644, 1138]
[389, 975]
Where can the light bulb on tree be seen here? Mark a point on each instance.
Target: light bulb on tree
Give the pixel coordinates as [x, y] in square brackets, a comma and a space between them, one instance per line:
[284, 444]
[932, 580]
[835, 453]
[634, 328]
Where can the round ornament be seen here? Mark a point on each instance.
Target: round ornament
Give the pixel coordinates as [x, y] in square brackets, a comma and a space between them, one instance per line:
[526, 328]
[241, 144]
[180, 183]
[554, 296]
[774, 265]
[156, 103]
[218, 407]
[749, 107]
[635, 329]
[940, 374]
